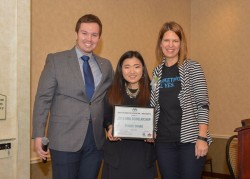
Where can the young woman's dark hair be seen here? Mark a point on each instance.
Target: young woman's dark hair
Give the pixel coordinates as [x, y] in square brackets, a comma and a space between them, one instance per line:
[117, 88]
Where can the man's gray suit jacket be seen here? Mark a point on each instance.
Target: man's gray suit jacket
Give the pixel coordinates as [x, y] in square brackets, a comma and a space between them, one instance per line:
[61, 96]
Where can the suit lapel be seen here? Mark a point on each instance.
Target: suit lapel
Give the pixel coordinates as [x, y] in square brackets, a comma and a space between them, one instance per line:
[75, 69]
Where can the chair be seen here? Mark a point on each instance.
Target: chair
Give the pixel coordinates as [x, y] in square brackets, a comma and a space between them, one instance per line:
[232, 156]
[209, 162]
[245, 122]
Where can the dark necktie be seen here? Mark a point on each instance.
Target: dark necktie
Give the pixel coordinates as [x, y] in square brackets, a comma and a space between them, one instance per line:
[88, 77]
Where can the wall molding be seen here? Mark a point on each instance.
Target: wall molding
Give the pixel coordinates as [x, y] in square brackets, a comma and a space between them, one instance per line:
[220, 136]
[35, 160]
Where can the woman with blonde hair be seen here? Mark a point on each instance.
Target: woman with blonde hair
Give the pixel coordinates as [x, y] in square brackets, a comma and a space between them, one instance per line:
[179, 95]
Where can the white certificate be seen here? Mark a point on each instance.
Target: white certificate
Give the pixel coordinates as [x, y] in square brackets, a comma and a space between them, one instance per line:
[133, 122]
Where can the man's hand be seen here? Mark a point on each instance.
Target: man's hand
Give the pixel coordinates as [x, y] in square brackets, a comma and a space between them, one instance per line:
[38, 146]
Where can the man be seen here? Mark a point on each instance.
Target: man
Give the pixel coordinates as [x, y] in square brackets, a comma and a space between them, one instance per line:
[72, 95]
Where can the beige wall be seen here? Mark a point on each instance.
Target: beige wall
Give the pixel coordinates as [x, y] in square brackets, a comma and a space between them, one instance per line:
[15, 84]
[220, 40]
[126, 25]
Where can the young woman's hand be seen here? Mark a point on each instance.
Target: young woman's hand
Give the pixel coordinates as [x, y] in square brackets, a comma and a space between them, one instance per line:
[151, 140]
[110, 136]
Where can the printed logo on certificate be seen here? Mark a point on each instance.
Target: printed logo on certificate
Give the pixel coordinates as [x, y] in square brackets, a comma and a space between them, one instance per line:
[133, 122]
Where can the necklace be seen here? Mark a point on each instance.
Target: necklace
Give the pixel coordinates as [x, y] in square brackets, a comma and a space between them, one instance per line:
[130, 94]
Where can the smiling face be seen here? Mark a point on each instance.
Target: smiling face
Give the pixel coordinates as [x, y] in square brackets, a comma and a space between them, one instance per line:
[170, 46]
[132, 71]
[88, 37]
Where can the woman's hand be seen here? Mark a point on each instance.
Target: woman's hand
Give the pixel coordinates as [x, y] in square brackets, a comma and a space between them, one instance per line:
[201, 148]
[151, 140]
[155, 135]
[110, 136]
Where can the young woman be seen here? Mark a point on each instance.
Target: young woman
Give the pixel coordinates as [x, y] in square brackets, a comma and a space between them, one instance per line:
[127, 158]
[179, 95]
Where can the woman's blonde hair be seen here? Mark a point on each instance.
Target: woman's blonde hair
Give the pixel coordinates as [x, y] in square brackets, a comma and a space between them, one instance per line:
[173, 26]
